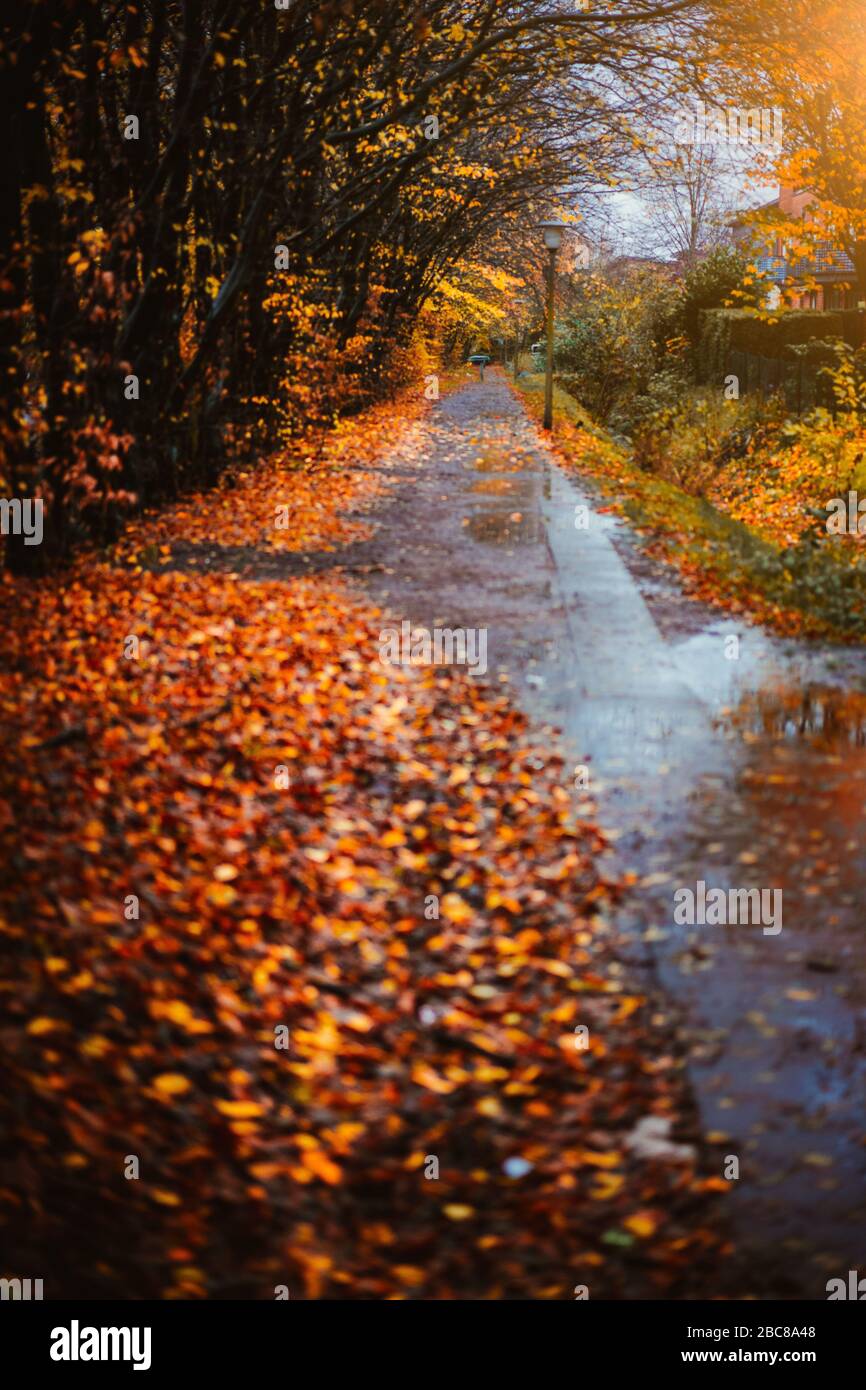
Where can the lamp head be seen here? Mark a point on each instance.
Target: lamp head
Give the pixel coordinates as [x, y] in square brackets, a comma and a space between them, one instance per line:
[553, 232]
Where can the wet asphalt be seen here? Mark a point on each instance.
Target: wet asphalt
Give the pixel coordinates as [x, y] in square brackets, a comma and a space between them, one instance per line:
[736, 764]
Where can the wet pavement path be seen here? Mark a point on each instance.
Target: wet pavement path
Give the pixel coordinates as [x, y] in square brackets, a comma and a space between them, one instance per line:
[743, 772]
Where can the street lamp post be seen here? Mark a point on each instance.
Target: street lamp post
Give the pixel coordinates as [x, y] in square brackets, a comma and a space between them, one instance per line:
[553, 240]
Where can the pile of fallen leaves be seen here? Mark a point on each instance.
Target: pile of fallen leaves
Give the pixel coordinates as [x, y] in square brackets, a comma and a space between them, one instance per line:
[777, 488]
[280, 927]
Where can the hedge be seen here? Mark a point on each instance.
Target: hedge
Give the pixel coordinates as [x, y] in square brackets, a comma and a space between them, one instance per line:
[742, 330]
[853, 326]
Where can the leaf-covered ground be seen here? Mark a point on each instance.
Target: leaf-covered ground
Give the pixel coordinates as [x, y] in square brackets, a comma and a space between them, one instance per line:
[285, 810]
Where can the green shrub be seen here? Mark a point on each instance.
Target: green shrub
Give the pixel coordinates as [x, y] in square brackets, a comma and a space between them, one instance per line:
[687, 443]
[620, 348]
[711, 283]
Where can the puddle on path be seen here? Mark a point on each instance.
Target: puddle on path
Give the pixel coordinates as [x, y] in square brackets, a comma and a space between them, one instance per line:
[493, 487]
[823, 716]
[506, 525]
[500, 460]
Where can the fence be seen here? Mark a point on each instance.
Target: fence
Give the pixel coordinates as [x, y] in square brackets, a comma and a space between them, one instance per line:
[802, 382]
[786, 354]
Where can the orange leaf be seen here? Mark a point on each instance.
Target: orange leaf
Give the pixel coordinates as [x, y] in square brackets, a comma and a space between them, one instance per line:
[318, 1162]
[425, 1076]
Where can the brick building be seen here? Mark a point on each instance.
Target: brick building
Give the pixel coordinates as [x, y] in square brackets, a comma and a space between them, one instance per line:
[832, 276]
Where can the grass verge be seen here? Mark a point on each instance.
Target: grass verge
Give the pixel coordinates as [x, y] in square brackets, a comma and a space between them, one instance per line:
[806, 588]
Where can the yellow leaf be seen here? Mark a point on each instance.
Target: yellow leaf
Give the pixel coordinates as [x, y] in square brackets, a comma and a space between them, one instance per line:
[607, 1185]
[490, 1107]
[456, 910]
[392, 838]
[171, 1083]
[240, 1109]
[601, 1160]
[165, 1198]
[37, 1026]
[177, 1012]
[457, 1212]
[221, 894]
[643, 1223]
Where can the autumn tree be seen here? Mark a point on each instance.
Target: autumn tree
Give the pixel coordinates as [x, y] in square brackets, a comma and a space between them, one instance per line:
[221, 219]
